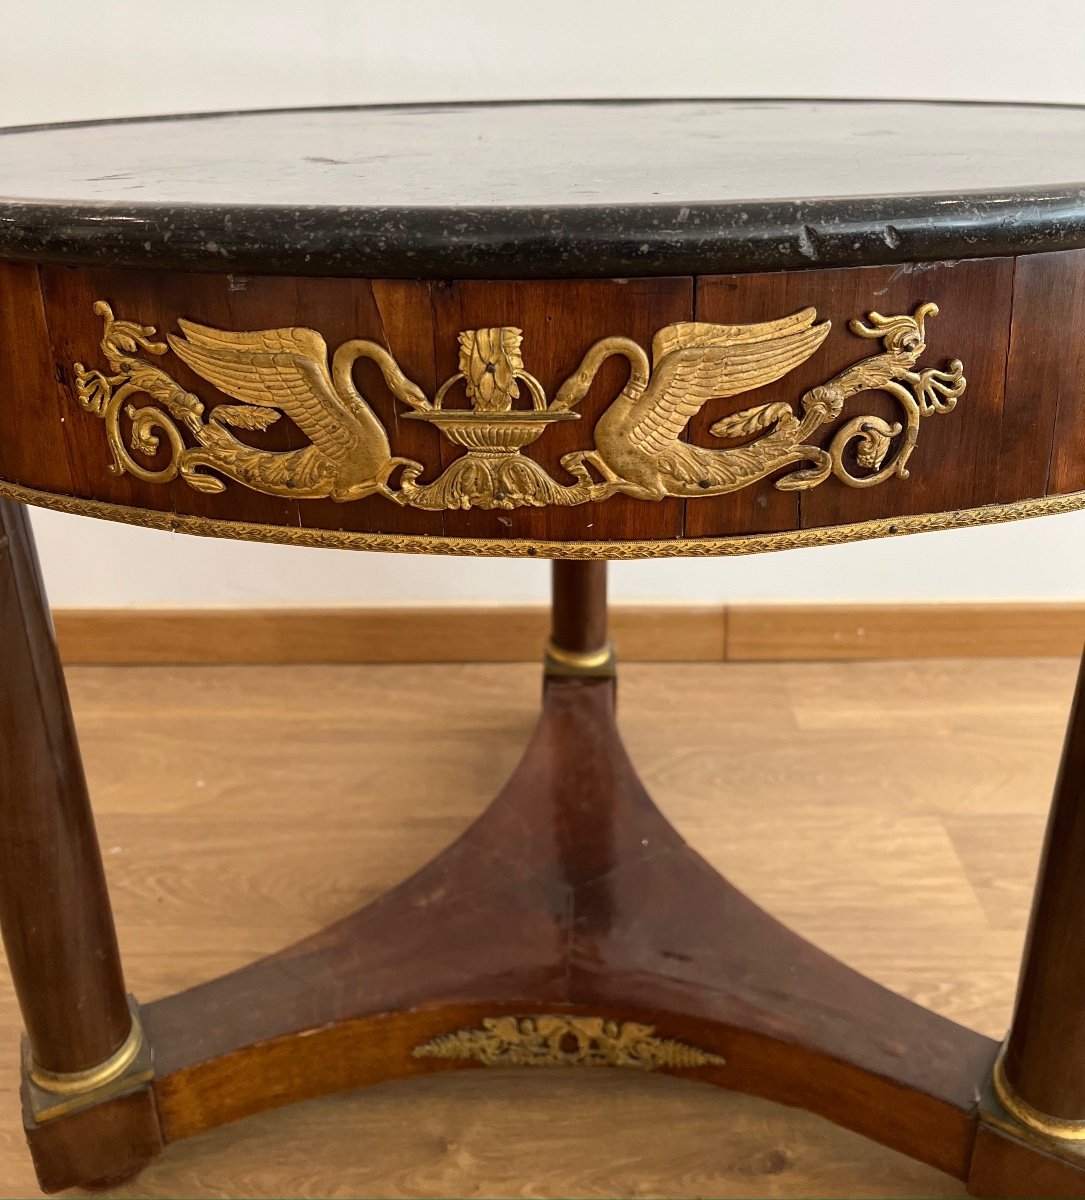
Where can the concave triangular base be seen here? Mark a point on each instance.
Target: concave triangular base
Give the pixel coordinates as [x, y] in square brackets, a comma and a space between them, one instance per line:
[571, 895]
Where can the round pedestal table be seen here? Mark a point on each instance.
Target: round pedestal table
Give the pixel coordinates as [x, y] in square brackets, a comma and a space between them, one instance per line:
[570, 331]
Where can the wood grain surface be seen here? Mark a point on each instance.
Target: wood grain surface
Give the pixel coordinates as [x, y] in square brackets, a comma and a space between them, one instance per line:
[903, 803]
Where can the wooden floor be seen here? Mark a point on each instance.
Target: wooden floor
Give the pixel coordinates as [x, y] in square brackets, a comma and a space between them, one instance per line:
[891, 812]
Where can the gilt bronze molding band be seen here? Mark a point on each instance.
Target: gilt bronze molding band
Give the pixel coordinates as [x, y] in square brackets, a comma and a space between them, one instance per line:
[639, 445]
[600, 551]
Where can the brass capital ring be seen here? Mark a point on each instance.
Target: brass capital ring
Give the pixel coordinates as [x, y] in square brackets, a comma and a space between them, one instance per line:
[1057, 1128]
[580, 660]
[68, 1083]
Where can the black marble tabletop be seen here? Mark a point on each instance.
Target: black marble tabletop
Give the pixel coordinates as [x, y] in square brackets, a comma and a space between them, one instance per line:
[598, 188]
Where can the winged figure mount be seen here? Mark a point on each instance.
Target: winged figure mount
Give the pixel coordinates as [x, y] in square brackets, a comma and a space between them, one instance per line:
[639, 445]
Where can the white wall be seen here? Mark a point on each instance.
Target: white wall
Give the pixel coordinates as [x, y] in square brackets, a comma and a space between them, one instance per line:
[63, 60]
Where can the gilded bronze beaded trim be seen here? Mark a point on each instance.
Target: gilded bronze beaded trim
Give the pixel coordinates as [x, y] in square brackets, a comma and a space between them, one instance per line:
[601, 551]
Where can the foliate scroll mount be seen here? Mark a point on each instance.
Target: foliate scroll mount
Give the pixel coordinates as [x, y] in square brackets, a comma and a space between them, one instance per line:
[554, 1040]
[639, 448]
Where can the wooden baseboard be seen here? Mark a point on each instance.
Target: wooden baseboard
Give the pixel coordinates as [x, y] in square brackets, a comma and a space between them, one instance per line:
[766, 633]
[643, 633]
[456, 633]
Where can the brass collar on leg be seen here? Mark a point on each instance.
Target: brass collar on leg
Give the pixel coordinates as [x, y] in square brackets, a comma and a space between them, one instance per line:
[1052, 1131]
[599, 663]
[70, 1083]
[53, 1093]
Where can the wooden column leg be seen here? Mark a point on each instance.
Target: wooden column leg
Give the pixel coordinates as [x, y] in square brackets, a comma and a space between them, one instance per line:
[84, 1054]
[578, 635]
[1036, 1126]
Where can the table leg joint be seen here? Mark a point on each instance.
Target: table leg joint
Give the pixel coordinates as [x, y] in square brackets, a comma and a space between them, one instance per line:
[53, 1094]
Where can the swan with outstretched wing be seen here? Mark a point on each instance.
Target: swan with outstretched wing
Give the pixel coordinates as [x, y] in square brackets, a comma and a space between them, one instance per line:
[275, 372]
[638, 440]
